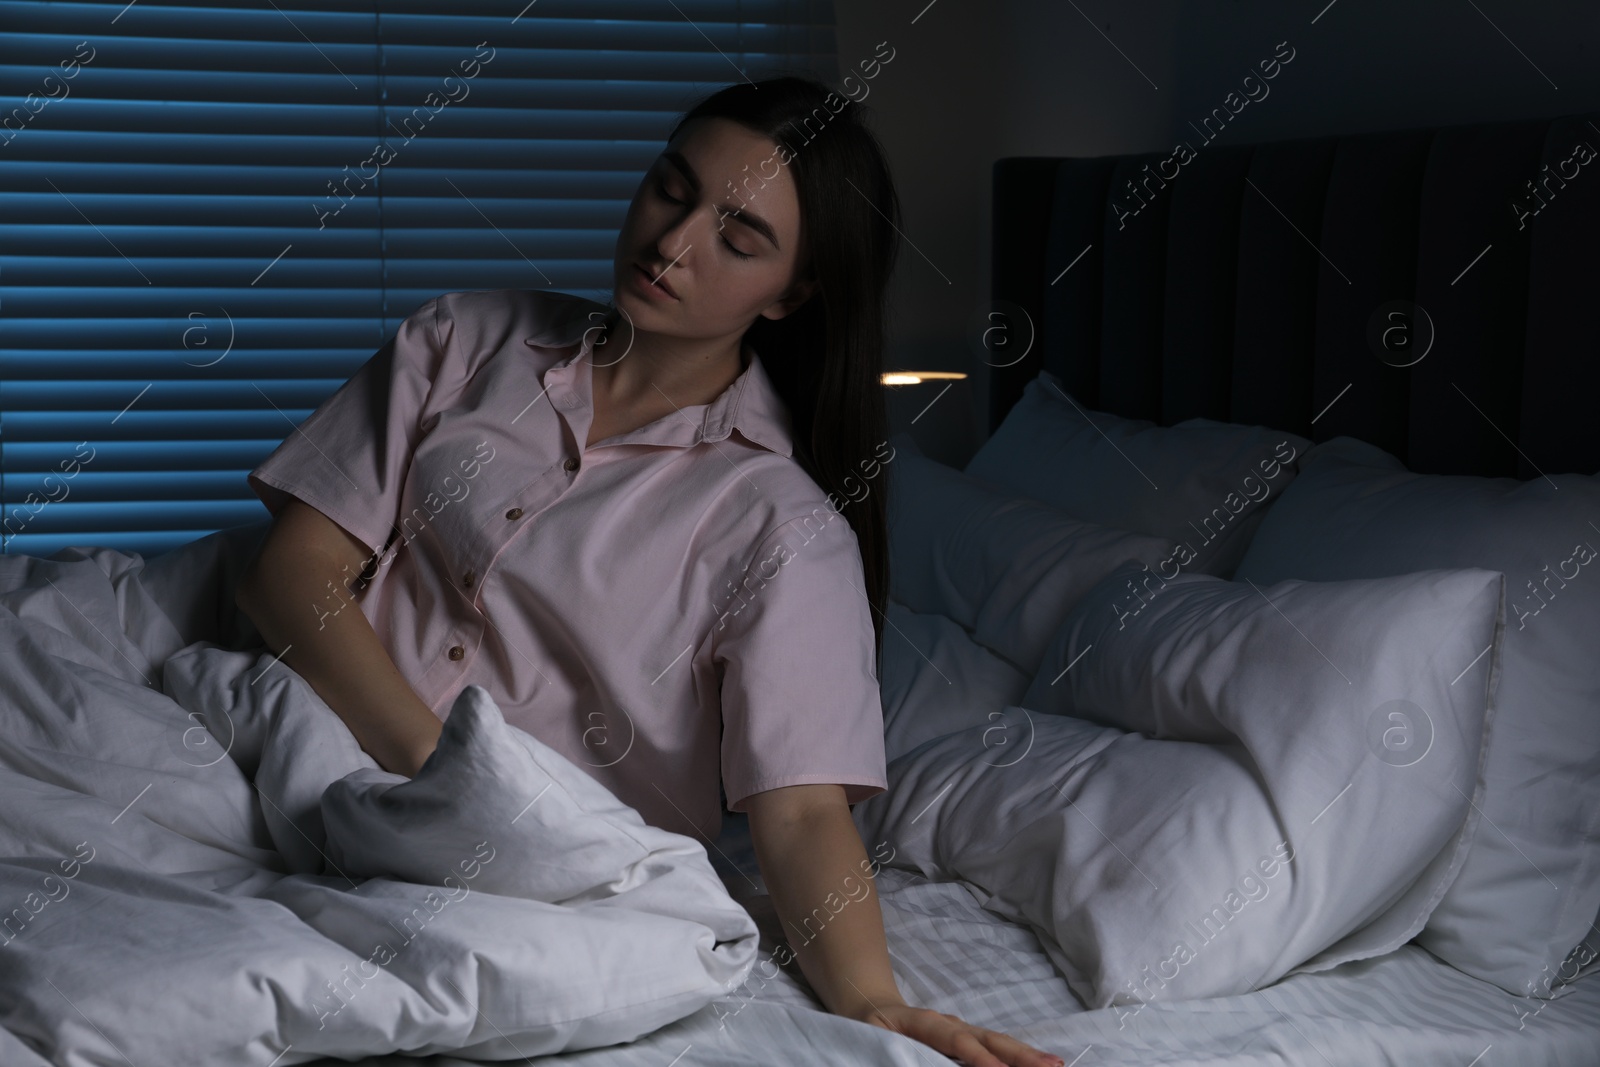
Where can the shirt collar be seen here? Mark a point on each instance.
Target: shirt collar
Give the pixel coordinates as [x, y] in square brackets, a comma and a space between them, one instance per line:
[750, 405]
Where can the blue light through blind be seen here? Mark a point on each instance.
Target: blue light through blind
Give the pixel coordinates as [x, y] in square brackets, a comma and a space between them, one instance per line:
[214, 214]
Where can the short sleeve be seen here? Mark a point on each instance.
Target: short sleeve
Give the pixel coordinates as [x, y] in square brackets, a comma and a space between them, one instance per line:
[794, 649]
[349, 457]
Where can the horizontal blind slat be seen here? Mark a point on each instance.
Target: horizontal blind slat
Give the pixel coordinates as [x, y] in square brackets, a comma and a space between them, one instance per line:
[141, 456]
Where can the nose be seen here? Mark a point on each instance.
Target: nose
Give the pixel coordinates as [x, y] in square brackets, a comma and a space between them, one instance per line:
[687, 230]
[676, 240]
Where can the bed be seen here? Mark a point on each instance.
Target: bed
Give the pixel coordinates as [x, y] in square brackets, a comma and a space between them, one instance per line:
[1315, 355]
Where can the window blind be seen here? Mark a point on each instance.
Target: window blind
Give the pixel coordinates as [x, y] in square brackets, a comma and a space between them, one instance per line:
[211, 215]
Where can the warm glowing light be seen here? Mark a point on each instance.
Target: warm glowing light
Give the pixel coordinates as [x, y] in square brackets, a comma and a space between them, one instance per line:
[913, 377]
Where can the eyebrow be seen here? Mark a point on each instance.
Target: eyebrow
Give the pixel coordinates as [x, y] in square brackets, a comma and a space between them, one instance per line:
[744, 215]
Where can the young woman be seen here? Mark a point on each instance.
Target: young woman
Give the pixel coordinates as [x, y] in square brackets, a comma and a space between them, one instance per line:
[623, 520]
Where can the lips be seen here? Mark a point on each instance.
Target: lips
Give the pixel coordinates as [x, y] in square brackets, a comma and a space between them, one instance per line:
[660, 282]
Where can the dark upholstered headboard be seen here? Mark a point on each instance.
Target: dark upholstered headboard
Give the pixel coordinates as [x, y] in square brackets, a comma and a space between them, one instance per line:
[1286, 284]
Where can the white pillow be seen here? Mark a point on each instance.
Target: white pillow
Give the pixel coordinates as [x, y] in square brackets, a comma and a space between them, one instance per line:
[1201, 483]
[1530, 889]
[1283, 820]
[1007, 568]
[935, 679]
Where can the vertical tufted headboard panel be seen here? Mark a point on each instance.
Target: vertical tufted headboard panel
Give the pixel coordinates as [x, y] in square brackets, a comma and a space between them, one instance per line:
[1289, 284]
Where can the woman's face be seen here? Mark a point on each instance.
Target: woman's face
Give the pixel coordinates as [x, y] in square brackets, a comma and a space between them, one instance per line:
[716, 220]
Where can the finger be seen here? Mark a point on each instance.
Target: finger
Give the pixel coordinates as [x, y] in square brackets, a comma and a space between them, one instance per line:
[1017, 1053]
[969, 1048]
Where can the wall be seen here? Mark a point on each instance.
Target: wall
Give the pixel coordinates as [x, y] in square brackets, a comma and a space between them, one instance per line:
[973, 83]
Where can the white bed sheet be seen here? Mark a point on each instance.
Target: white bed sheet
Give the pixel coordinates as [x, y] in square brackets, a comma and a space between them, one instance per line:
[1405, 1009]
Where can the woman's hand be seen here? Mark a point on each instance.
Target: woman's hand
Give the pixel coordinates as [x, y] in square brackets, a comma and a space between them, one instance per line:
[816, 869]
[970, 1044]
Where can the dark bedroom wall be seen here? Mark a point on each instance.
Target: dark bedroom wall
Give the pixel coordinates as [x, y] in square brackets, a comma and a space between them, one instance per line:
[972, 83]
[1370, 66]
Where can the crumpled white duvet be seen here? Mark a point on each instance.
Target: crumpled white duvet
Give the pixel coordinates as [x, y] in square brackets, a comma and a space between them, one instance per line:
[199, 865]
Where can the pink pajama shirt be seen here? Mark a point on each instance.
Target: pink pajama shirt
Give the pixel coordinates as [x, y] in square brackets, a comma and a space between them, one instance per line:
[674, 607]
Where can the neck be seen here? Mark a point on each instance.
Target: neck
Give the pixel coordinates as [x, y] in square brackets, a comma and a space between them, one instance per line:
[689, 371]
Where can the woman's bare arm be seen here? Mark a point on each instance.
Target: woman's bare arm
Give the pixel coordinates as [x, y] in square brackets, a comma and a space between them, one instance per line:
[285, 591]
[811, 855]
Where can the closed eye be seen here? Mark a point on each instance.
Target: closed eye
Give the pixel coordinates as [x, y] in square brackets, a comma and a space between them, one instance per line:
[661, 191]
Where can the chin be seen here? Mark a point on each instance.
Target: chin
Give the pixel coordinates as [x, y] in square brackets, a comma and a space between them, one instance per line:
[637, 305]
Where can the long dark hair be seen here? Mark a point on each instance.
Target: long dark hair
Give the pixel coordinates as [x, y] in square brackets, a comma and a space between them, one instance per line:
[826, 357]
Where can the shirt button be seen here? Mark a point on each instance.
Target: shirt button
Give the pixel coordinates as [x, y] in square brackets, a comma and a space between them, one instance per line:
[468, 578]
[456, 652]
[514, 514]
[571, 464]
